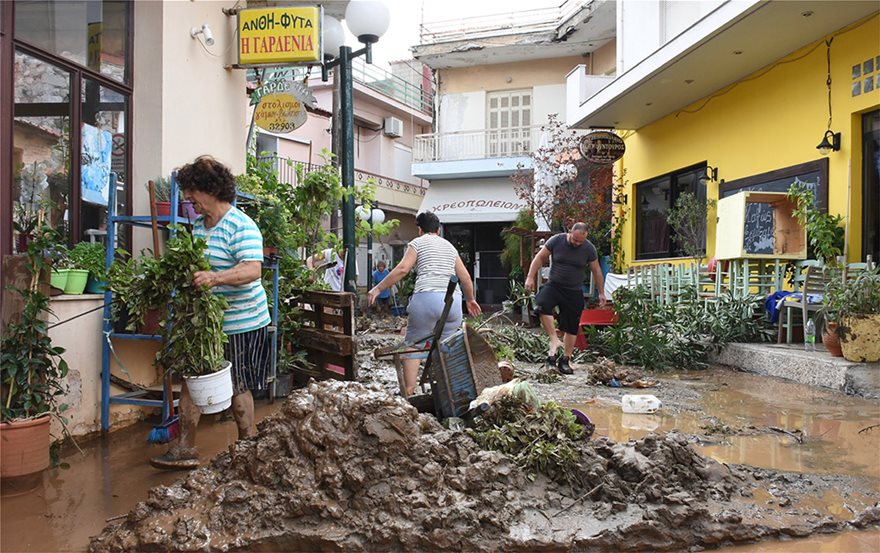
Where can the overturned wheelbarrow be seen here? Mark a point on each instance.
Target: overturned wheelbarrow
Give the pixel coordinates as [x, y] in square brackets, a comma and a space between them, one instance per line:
[457, 367]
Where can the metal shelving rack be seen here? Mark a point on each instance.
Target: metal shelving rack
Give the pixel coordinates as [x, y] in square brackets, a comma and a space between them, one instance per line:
[138, 397]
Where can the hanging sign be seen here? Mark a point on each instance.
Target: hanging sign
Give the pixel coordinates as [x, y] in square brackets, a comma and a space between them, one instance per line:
[281, 106]
[602, 147]
[278, 36]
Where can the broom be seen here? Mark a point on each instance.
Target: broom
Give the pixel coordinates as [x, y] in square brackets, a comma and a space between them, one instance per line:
[170, 427]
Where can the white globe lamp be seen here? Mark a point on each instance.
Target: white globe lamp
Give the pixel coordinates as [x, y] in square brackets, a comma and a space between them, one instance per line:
[367, 19]
[334, 36]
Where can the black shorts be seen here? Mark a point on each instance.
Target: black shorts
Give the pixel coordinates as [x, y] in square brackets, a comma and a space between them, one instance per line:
[570, 302]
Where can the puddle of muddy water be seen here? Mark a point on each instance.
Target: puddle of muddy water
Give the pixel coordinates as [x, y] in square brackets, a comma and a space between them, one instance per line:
[73, 504]
[830, 422]
[845, 542]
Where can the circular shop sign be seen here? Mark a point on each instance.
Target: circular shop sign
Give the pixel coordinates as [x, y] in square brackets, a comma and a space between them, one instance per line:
[280, 113]
[602, 147]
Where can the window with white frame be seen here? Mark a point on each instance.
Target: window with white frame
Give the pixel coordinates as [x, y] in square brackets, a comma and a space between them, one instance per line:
[508, 118]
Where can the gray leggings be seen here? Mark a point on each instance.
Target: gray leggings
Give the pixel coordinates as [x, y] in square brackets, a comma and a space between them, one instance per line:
[424, 311]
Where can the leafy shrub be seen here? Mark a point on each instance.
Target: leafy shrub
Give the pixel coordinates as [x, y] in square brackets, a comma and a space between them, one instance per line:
[680, 335]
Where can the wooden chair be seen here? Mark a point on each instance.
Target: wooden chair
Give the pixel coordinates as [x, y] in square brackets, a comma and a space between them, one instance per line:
[811, 283]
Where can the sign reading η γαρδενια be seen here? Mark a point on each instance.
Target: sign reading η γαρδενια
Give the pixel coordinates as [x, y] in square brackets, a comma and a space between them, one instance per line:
[277, 36]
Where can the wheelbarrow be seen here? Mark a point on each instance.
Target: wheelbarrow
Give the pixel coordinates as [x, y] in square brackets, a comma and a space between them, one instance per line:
[457, 368]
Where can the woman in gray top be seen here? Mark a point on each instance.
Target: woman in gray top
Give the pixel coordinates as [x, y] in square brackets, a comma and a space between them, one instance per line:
[435, 261]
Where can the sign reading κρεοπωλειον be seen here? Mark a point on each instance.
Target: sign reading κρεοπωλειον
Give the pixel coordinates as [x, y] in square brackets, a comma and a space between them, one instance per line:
[602, 147]
[275, 36]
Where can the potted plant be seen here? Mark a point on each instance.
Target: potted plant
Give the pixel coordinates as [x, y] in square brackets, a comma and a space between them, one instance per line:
[288, 362]
[193, 328]
[90, 257]
[824, 232]
[162, 191]
[857, 304]
[832, 302]
[32, 369]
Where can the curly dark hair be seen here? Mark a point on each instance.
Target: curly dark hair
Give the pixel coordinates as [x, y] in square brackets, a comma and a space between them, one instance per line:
[208, 175]
[428, 221]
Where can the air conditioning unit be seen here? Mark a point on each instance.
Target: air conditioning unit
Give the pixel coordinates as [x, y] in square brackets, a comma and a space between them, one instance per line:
[393, 127]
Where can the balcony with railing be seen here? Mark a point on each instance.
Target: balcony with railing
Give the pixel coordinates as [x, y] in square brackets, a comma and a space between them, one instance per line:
[411, 94]
[390, 191]
[485, 152]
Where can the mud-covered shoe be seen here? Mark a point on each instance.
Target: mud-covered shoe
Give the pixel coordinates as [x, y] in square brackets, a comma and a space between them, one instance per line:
[563, 365]
[550, 364]
[177, 458]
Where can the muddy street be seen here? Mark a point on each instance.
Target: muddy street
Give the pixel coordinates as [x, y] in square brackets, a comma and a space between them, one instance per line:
[353, 468]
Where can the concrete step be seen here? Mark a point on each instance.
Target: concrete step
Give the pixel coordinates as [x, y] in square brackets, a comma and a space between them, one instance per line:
[817, 368]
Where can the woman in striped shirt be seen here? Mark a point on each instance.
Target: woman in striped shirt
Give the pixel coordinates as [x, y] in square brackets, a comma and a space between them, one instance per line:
[435, 261]
[235, 253]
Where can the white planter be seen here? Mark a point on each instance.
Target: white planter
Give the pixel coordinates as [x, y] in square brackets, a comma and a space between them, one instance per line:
[211, 393]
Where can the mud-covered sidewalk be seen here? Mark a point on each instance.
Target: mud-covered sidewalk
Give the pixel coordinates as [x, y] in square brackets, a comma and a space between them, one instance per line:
[348, 466]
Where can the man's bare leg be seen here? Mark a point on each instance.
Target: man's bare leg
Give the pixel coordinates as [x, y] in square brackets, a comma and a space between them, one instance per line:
[549, 326]
[568, 341]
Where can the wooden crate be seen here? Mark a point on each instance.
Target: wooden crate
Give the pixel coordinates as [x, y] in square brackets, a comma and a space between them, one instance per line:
[327, 335]
[759, 225]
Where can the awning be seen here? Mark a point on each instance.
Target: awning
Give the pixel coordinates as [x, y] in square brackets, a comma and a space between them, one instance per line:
[473, 200]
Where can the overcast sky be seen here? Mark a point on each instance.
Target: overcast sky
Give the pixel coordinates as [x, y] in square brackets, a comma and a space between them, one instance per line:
[406, 15]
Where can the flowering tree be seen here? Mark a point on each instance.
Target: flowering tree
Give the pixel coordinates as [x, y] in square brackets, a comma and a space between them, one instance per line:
[563, 188]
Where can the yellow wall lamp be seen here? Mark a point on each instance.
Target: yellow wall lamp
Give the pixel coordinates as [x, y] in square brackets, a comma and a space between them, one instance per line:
[830, 143]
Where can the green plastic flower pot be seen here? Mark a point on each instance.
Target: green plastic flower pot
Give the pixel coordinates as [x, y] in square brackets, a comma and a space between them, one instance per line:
[76, 281]
[59, 278]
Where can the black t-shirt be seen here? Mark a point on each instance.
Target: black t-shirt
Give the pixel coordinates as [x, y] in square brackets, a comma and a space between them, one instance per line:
[569, 262]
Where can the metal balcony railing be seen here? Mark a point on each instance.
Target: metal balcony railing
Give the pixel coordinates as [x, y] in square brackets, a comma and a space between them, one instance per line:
[286, 170]
[515, 22]
[481, 144]
[380, 80]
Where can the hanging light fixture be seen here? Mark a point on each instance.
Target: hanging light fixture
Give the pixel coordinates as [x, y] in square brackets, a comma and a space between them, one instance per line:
[827, 146]
[710, 174]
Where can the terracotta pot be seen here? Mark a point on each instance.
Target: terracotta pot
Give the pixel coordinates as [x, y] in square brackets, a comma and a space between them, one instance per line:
[163, 209]
[152, 318]
[860, 338]
[25, 447]
[831, 340]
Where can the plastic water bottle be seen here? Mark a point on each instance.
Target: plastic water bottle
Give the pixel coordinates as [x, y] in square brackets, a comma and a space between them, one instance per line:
[640, 403]
[810, 336]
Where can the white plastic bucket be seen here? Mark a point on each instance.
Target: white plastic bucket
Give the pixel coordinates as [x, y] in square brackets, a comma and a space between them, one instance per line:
[211, 393]
[640, 403]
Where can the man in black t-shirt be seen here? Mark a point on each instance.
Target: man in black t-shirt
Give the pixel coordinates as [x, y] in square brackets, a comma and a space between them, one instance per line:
[570, 253]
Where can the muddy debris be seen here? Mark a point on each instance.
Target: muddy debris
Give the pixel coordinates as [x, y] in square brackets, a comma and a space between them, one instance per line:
[347, 466]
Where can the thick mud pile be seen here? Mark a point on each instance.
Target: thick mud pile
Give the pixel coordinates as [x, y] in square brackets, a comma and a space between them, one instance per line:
[344, 466]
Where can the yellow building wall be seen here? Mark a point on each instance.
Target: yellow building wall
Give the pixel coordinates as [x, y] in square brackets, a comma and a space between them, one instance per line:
[772, 119]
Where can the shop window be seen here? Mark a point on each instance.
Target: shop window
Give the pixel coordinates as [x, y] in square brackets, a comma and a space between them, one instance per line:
[40, 147]
[654, 199]
[103, 153]
[509, 116]
[93, 34]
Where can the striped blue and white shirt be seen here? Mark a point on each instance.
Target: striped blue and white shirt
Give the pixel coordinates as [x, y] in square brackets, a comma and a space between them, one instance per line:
[236, 238]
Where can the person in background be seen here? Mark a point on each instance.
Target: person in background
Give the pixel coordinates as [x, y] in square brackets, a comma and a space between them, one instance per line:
[235, 253]
[570, 253]
[383, 301]
[435, 261]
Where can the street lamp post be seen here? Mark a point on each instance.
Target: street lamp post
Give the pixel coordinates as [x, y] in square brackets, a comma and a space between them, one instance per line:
[373, 216]
[367, 20]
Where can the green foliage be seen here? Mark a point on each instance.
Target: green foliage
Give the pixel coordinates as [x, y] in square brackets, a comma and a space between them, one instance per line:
[825, 233]
[405, 287]
[194, 322]
[660, 336]
[90, 256]
[688, 221]
[32, 369]
[289, 362]
[858, 296]
[525, 219]
[542, 440]
[161, 188]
